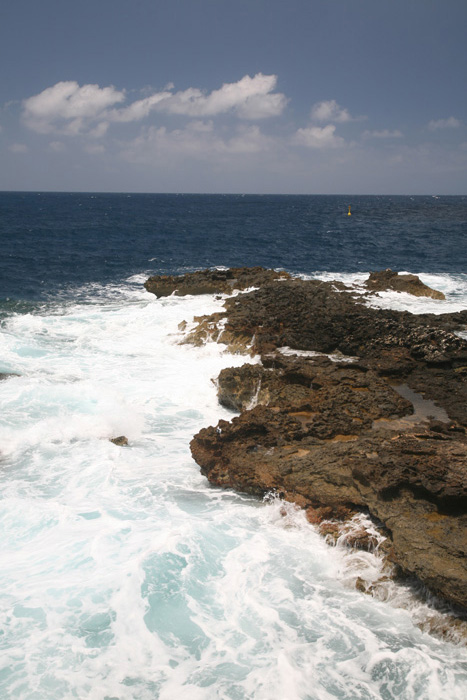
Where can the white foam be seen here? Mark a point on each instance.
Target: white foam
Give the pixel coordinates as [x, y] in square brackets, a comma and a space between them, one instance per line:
[125, 575]
[454, 287]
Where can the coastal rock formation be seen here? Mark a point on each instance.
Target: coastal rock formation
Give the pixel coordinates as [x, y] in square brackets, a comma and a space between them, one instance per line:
[212, 281]
[330, 398]
[336, 439]
[421, 350]
[379, 429]
[411, 284]
[414, 483]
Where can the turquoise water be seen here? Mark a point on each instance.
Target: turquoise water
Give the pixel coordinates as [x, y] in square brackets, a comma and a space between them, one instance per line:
[125, 575]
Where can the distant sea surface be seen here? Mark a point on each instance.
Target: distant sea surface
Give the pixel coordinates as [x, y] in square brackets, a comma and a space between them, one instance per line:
[54, 242]
[123, 574]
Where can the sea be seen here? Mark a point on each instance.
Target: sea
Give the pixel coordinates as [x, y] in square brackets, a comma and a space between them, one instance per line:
[124, 575]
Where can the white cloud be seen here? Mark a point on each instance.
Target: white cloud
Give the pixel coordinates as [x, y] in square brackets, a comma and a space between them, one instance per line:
[100, 130]
[329, 111]
[384, 134]
[248, 139]
[139, 109]
[250, 98]
[318, 137]
[262, 106]
[18, 148]
[450, 123]
[68, 108]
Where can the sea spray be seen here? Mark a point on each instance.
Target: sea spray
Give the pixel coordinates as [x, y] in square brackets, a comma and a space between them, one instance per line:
[125, 575]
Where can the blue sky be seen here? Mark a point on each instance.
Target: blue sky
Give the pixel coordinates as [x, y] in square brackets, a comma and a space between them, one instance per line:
[303, 96]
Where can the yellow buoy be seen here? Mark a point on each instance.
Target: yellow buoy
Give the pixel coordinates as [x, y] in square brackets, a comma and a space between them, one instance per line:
[349, 212]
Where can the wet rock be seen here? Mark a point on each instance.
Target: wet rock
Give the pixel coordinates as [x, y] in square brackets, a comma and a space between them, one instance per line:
[416, 488]
[341, 437]
[411, 284]
[121, 441]
[338, 437]
[328, 399]
[212, 281]
[421, 350]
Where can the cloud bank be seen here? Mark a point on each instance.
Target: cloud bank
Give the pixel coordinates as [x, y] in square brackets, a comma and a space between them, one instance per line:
[67, 107]
[71, 109]
[240, 130]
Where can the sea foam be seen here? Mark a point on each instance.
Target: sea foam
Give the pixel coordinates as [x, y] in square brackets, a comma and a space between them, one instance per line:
[126, 575]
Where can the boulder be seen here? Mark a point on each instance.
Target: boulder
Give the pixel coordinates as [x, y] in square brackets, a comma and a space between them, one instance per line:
[121, 441]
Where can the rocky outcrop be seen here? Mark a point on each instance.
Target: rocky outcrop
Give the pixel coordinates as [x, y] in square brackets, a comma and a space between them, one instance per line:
[212, 281]
[411, 284]
[337, 439]
[412, 482]
[421, 350]
[380, 430]
[329, 398]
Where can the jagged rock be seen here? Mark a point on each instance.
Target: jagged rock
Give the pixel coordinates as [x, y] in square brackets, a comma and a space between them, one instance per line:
[121, 441]
[415, 486]
[388, 279]
[338, 438]
[421, 350]
[212, 281]
[328, 398]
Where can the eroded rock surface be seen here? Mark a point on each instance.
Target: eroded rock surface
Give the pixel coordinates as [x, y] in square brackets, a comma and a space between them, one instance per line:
[388, 279]
[339, 438]
[329, 452]
[211, 281]
[421, 350]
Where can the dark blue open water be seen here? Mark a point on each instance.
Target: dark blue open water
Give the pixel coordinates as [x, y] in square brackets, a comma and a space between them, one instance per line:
[51, 242]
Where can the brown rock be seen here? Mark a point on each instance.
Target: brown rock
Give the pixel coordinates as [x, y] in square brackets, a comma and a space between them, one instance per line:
[337, 438]
[417, 488]
[212, 281]
[121, 441]
[412, 284]
[420, 350]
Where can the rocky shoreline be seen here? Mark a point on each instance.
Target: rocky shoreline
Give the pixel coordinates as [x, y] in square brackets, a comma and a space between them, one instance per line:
[379, 427]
